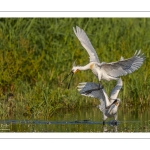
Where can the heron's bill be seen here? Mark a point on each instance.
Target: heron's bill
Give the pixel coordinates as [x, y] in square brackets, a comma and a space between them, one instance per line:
[115, 101]
[66, 76]
[76, 71]
[70, 80]
[71, 73]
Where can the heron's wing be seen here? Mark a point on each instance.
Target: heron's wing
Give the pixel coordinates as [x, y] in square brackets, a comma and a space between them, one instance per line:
[83, 38]
[116, 89]
[124, 66]
[99, 94]
[86, 86]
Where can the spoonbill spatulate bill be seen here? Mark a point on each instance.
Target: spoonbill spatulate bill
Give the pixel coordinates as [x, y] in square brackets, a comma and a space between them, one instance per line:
[103, 70]
[108, 105]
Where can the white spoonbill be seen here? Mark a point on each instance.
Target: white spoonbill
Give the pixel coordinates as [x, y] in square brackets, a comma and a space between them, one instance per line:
[108, 106]
[106, 71]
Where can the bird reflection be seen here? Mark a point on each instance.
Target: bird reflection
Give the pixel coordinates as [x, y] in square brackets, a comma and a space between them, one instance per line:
[111, 128]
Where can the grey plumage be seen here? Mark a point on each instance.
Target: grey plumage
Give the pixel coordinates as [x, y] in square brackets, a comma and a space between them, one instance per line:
[124, 66]
[108, 105]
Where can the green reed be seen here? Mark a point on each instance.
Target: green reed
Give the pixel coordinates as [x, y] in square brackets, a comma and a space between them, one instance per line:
[37, 53]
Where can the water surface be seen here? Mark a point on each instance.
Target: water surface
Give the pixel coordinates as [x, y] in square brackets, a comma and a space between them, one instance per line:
[82, 120]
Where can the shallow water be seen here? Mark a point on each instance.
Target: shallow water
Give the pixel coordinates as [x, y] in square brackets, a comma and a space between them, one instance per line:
[83, 120]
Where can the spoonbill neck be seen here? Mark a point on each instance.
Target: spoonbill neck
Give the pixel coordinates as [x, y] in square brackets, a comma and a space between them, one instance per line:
[86, 67]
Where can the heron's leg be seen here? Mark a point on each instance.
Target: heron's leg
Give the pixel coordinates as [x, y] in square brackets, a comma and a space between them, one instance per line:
[115, 119]
[100, 85]
[115, 123]
[103, 122]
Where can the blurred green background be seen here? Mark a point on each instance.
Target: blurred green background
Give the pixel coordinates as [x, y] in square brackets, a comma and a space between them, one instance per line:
[37, 53]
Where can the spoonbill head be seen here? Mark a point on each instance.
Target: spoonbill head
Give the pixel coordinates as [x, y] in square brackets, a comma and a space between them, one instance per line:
[75, 68]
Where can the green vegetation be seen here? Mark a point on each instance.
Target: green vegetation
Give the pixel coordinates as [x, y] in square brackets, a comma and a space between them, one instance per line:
[37, 53]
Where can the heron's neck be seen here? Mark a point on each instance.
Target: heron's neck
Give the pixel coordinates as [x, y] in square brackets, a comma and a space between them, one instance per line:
[86, 67]
[107, 102]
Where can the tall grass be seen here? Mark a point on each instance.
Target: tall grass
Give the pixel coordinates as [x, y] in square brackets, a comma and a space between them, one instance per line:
[36, 54]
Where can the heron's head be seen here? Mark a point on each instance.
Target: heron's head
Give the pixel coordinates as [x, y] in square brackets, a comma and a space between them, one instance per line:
[74, 69]
[117, 101]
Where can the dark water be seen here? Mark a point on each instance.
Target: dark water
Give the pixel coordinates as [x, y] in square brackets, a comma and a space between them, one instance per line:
[83, 120]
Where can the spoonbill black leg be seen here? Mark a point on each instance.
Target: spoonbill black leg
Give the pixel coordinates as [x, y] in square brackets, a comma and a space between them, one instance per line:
[103, 122]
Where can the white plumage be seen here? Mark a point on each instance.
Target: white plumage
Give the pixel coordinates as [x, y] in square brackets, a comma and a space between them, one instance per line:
[108, 105]
[106, 71]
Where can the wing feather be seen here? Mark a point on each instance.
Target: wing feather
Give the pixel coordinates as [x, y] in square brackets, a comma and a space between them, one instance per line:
[124, 66]
[85, 42]
[99, 94]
